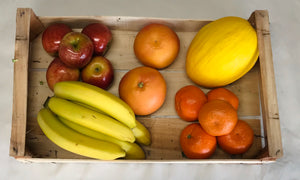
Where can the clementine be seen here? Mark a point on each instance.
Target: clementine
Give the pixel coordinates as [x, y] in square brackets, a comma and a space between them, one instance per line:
[217, 117]
[156, 45]
[223, 94]
[239, 140]
[196, 143]
[143, 89]
[188, 102]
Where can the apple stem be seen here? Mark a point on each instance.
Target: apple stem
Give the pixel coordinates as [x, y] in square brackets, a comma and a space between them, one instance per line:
[141, 84]
[75, 44]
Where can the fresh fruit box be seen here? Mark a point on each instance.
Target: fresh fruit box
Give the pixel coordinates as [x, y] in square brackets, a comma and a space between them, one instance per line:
[256, 91]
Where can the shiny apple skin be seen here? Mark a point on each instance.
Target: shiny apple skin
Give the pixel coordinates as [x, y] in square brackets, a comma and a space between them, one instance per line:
[98, 72]
[52, 37]
[57, 71]
[76, 50]
[101, 36]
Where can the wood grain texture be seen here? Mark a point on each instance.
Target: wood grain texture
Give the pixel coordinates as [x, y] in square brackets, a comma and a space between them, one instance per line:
[246, 89]
[17, 140]
[165, 141]
[127, 23]
[268, 87]
[28, 27]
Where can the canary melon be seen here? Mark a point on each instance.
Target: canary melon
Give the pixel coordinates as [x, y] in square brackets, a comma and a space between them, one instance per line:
[222, 52]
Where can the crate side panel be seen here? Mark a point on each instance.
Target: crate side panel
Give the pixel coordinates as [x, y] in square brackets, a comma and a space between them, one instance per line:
[126, 23]
[17, 140]
[268, 93]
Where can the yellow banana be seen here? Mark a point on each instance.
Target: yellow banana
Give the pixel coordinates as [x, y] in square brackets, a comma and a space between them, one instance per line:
[97, 98]
[90, 119]
[89, 107]
[133, 150]
[140, 132]
[75, 142]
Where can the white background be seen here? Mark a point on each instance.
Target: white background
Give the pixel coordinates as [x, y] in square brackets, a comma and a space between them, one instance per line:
[284, 27]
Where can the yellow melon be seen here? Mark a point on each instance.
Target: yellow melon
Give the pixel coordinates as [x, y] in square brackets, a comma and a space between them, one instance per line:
[222, 52]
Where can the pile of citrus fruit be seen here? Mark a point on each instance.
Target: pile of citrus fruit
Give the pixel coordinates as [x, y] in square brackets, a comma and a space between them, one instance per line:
[218, 123]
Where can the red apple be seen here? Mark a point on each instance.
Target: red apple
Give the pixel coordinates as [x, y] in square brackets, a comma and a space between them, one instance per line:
[101, 36]
[98, 72]
[76, 50]
[57, 71]
[52, 37]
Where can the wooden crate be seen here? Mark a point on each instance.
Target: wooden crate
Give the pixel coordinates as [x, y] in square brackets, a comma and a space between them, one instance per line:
[256, 91]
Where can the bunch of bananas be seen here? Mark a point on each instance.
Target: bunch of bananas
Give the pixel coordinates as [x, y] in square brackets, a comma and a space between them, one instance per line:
[92, 122]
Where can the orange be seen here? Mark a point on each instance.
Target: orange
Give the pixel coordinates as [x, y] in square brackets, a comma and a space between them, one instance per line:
[223, 94]
[188, 102]
[156, 45]
[143, 89]
[217, 117]
[239, 140]
[196, 143]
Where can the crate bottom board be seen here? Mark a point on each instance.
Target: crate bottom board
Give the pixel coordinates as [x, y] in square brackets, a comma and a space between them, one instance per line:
[165, 144]
[164, 125]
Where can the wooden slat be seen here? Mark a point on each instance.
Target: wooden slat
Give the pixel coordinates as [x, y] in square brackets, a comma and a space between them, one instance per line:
[246, 89]
[126, 23]
[180, 161]
[25, 20]
[268, 87]
[120, 54]
[17, 141]
[165, 145]
[165, 136]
